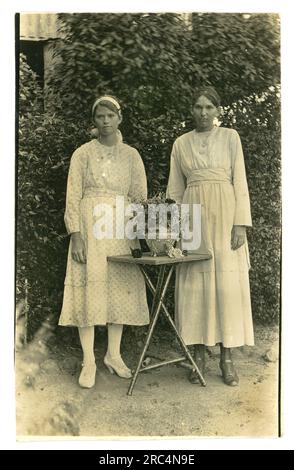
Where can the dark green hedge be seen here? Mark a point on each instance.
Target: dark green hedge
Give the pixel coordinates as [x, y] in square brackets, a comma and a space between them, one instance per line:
[45, 143]
[264, 180]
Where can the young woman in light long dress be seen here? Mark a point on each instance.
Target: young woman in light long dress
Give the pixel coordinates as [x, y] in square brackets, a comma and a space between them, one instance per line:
[213, 297]
[98, 292]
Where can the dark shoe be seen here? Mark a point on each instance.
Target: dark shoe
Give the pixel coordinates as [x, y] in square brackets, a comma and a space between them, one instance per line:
[199, 356]
[193, 377]
[229, 374]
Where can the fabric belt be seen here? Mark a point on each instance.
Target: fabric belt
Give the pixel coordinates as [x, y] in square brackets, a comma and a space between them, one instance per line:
[208, 175]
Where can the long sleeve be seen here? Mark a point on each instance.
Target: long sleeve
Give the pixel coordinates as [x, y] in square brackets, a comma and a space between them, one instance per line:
[177, 181]
[242, 208]
[138, 186]
[74, 193]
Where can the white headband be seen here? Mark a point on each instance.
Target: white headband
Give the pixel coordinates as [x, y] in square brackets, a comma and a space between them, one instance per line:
[105, 98]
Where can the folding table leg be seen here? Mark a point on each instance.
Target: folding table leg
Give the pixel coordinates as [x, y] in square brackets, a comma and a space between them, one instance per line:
[187, 352]
[183, 345]
[157, 291]
[159, 296]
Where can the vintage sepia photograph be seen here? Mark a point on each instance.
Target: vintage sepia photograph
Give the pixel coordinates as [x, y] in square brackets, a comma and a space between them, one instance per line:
[148, 225]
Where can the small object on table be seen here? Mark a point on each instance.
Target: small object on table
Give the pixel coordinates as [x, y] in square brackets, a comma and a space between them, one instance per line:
[175, 252]
[185, 252]
[136, 253]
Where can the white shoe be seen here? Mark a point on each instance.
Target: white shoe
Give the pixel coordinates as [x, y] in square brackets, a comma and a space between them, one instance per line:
[118, 366]
[87, 375]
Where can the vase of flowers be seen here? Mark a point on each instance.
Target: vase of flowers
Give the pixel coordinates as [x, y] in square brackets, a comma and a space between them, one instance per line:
[162, 225]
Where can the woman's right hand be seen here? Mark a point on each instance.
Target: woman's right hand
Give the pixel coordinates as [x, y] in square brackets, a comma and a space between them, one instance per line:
[78, 251]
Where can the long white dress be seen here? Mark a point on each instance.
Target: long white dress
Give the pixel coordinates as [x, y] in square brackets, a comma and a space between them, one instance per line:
[101, 292]
[213, 297]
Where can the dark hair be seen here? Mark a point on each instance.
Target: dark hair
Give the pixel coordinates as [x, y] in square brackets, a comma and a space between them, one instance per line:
[209, 92]
[107, 105]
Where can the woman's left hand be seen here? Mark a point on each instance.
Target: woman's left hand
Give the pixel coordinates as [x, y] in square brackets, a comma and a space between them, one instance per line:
[238, 236]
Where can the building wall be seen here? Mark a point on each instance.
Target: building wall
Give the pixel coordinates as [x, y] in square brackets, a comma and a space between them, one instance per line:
[38, 26]
[37, 32]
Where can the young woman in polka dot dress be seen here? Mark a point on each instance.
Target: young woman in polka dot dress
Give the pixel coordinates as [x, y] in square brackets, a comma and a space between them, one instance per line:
[98, 292]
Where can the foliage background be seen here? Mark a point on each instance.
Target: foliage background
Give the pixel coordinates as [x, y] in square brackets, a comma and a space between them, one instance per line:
[152, 62]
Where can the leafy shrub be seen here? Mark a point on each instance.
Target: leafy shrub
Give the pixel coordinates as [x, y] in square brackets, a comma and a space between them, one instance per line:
[45, 144]
[264, 179]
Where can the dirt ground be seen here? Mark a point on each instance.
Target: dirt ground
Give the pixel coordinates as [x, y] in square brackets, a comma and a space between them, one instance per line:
[164, 404]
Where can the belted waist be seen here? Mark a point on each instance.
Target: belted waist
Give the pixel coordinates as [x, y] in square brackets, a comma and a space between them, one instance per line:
[211, 175]
[96, 192]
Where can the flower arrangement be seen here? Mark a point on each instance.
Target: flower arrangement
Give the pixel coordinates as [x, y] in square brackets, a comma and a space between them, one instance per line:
[162, 225]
